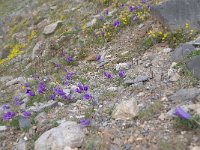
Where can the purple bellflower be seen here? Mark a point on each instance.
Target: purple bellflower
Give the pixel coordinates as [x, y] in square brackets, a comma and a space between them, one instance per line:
[182, 114]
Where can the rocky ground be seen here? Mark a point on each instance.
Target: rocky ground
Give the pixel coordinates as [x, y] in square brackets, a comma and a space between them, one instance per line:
[96, 75]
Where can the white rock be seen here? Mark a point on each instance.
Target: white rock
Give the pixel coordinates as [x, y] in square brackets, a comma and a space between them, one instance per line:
[37, 49]
[122, 66]
[126, 110]
[167, 50]
[91, 23]
[51, 28]
[3, 128]
[68, 134]
[6, 78]
[16, 81]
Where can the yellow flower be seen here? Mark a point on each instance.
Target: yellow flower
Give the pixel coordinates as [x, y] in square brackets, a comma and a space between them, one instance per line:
[187, 25]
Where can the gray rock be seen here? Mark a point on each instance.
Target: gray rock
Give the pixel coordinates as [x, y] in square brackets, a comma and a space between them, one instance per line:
[182, 51]
[68, 134]
[21, 145]
[185, 94]
[91, 23]
[4, 53]
[41, 118]
[16, 81]
[175, 13]
[122, 66]
[126, 110]
[3, 128]
[196, 42]
[67, 91]
[40, 107]
[51, 28]
[6, 78]
[141, 79]
[24, 122]
[194, 66]
[38, 48]
[20, 37]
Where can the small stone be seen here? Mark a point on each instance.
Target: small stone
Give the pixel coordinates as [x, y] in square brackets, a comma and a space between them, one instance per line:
[91, 23]
[24, 123]
[3, 128]
[126, 110]
[16, 81]
[67, 91]
[91, 57]
[112, 89]
[148, 65]
[38, 49]
[21, 145]
[167, 50]
[122, 66]
[162, 117]
[195, 148]
[51, 28]
[174, 77]
[41, 118]
[141, 78]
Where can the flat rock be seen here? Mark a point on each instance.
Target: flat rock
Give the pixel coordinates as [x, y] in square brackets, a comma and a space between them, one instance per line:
[68, 134]
[42, 106]
[16, 81]
[37, 50]
[182, 51]
[51, 28]
[194, 66]
[185, 94]
[24, 123]
[3, 128]
[174, 14]
[141, 78]
[126, 110]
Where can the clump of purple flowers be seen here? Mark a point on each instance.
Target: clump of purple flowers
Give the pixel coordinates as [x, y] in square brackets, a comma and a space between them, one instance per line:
[80, 88]
[41, 87]
[98, 57]
[5, 107]
[121, 73]
[84, 122]
[18, 101]
[9, 115]
[116, 23]
[182, 114]
[69, 59]
[26, 114]
[87, 96]
[108, 75]
[30, 92]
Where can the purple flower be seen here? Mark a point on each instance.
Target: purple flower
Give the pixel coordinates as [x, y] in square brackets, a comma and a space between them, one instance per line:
[41, 87]
[66, 83]
[26, 114]
[57, 65]
[149, 7]
[122, 5]
[84, 122]
[101, 18]
[5, 106]
[59, 91]
[18, 101]
[131, 8]
[29, 92]
[52, 97]
[69, 97]
[9, 115]
[85, 88]
[98, 57]
[135, 18]
[102, 33]
[80, 86]
[78, 90]
[116, 23]
[69, 59]
[144, 1]
[87, 96]
[96, 35]
[106, 11]
[69, 76]
[65, 69]
[121, 73]
[139, 7]
[108, 75]
[26, 85]
[182, 114]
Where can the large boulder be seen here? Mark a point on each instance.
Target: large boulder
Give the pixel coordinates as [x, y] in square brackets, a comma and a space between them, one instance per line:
[194, 66]
[68, 134]
[174, 14]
